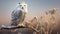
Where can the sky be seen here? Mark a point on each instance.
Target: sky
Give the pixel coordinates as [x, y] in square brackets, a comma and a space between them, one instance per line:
[35, 8]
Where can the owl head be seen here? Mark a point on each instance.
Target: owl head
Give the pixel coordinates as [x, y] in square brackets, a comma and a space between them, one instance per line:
[23, 6]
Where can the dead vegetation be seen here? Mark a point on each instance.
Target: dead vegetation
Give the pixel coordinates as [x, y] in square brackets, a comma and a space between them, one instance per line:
[46, 23]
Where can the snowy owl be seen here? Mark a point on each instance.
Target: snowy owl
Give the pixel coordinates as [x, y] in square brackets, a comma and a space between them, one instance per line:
[18, 15]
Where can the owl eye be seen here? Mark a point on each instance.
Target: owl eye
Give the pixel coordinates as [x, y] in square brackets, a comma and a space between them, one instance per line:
[20, 5]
